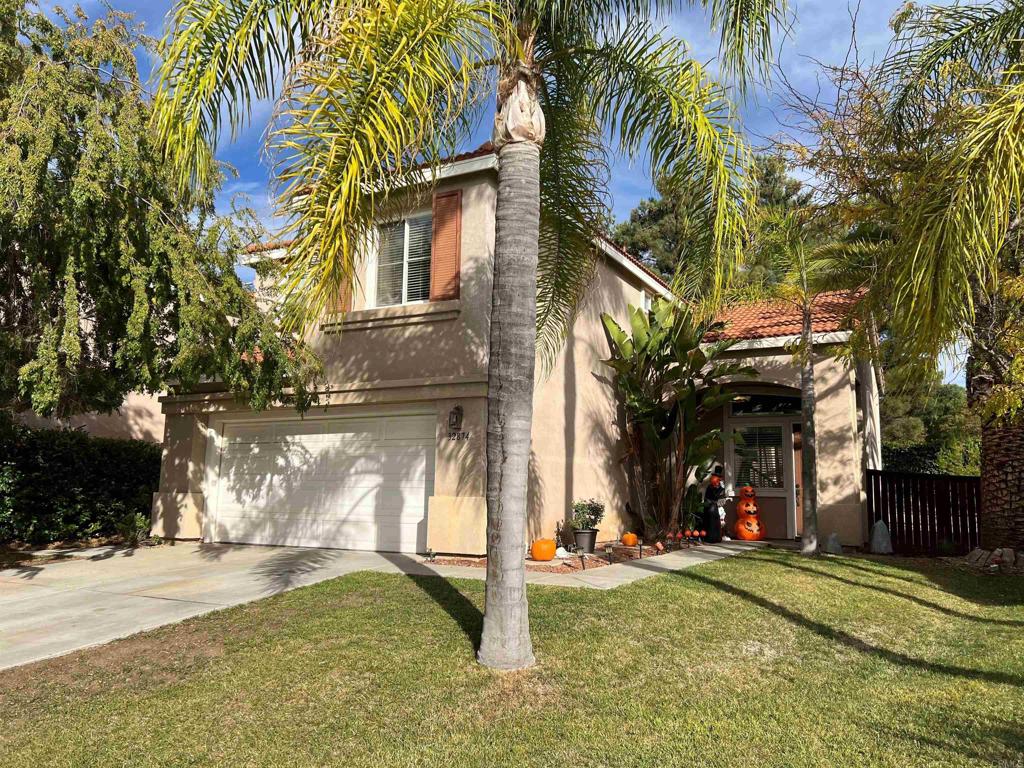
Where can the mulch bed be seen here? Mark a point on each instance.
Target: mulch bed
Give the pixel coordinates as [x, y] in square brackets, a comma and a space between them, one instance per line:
[572, 564]
[14, 552]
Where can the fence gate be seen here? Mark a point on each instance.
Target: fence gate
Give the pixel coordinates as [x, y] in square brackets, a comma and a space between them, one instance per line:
[926, 514]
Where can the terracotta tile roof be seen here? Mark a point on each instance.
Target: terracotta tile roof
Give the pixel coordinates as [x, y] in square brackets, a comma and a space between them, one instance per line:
[487, 148]
[270, 245]
[830, 312]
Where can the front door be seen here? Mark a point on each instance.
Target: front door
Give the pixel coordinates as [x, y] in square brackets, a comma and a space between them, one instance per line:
[765, 459]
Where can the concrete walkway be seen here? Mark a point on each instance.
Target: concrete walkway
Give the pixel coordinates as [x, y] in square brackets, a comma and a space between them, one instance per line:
[49, 608]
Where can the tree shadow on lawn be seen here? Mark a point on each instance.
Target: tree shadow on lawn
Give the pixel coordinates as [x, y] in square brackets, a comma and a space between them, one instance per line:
[885, 590]
[957, 726]
[981, 588]
[855, 643]
[461, 609]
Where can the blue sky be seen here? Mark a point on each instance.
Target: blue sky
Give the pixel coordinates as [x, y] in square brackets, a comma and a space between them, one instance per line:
[820, 32]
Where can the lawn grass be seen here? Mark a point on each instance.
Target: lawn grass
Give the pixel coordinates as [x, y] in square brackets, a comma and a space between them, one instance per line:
[768, 659]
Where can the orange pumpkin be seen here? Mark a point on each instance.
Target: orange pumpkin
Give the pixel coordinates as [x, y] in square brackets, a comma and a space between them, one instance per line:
[630, 539]
[748, 524]
[543, 549]
[746, 507]
[748, 528]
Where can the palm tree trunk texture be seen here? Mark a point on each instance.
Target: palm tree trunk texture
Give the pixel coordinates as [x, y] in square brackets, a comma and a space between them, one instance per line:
[809, 473]
[1002, 486]
[1001, 517]
[505, 643]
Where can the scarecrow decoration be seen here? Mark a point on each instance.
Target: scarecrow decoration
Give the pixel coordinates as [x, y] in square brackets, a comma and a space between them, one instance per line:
[748, 524]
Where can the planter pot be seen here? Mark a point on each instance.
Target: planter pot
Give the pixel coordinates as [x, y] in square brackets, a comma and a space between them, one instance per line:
[585, 539]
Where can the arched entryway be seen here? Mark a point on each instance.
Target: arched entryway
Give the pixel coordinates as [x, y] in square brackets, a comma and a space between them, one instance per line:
[769, 456]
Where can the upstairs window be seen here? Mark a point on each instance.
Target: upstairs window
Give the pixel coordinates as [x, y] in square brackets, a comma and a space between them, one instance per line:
[403, 261]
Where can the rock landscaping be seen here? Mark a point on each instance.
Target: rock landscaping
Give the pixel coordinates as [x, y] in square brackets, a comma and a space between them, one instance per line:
[1003, 560]
[574, 563]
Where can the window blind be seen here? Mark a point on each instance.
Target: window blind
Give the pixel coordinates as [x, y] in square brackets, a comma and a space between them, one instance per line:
[403, 261]
[390, 263]
[418, 274]
[759, 458]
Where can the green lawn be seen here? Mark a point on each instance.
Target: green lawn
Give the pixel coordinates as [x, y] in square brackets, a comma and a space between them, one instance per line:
[766, 659]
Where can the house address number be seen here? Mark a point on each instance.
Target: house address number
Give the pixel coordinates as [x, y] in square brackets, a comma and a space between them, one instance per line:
[455, 430]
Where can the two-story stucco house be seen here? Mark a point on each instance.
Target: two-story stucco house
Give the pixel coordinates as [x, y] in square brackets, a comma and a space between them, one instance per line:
[395, 459]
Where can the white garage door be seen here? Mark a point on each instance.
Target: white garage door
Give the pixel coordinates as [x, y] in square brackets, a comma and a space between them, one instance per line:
[347, 483]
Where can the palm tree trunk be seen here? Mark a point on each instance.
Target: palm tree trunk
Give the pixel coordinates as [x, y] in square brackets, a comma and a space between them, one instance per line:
[809, 473]
[1001, 517]
[505, 642]
[1001, 522]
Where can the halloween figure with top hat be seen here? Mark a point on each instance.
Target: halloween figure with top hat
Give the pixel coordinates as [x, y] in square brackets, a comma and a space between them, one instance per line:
[714, 508]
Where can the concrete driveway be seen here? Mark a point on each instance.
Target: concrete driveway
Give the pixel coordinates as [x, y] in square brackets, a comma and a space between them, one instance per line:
[55, 607]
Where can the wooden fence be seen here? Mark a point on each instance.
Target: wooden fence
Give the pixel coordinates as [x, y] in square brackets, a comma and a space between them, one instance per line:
[926, 514]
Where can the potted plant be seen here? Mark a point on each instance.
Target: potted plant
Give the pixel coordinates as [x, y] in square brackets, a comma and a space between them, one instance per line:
[585, 517]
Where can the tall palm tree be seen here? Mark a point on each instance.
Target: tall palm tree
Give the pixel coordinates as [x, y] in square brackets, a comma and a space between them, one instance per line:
[375, 94]
[785, 244]
[957, 78]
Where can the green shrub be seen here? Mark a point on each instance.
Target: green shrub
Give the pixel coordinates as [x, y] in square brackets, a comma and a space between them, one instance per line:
[65, 484]
[587, 514]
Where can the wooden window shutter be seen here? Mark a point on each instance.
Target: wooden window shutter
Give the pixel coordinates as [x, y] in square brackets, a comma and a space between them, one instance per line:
[343, 300]
[446, 246]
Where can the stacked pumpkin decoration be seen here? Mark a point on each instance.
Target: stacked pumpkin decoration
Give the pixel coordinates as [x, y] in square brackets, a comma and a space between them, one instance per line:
[748, 525]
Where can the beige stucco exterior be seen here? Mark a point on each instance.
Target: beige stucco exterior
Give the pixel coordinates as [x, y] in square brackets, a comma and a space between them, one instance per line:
[433, 357]
[140, 417]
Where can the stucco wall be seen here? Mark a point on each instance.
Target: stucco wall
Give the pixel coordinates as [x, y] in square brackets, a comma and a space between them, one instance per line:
[138, 418]
[840, 455]
[577, 423]
[444, 340]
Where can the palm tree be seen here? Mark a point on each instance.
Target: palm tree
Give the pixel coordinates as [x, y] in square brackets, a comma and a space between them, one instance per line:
[957, 78]
[375, 95]
[786, 245]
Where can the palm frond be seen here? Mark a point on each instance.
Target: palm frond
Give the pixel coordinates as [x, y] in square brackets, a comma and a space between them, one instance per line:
[373, 106]
[957, 220]
[660, 105]
[574, 205]
[746, 29]
[940, 50]
[219, 58]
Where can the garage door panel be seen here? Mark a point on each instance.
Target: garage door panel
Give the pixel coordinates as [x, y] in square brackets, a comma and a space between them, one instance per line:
[348, 483]
[354, 534]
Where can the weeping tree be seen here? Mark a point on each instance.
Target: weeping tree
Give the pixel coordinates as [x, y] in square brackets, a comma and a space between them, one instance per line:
[670, 383]
[111, 279]
[372, 96]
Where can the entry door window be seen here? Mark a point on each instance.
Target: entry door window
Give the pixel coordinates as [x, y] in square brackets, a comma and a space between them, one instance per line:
[759, 457]
[403, 261]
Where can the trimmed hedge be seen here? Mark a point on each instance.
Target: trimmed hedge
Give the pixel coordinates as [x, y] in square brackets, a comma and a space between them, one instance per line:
[59, 484]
